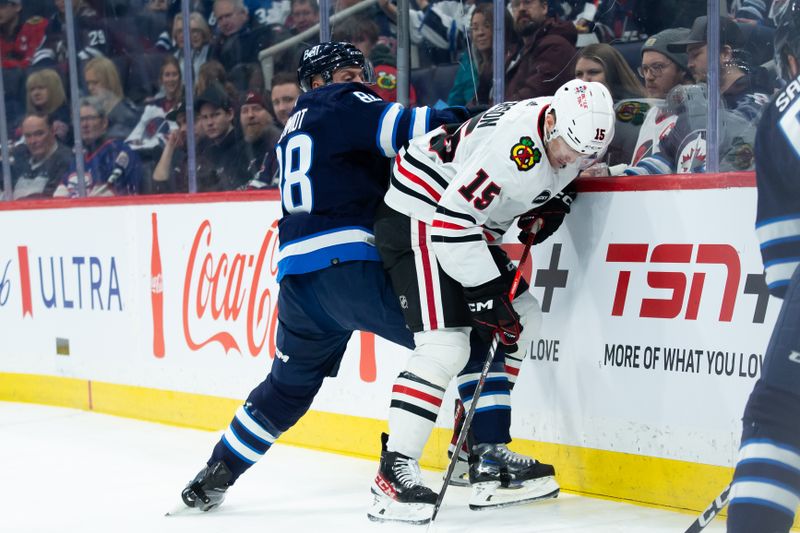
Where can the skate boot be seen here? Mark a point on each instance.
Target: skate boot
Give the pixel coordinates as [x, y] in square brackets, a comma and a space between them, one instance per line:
[460, 477]
[398, 494]
[500, 477]
[207, 490]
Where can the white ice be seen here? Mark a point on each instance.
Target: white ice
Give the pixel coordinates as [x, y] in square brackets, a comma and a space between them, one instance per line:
[66, 471]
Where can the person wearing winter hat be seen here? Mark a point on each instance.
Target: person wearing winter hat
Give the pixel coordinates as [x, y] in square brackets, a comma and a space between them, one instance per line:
[662, 69]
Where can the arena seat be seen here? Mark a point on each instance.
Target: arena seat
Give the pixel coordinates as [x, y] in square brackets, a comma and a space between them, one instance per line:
[632, 52]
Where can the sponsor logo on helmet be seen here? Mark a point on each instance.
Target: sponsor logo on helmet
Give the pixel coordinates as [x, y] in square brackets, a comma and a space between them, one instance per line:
[524, 154]
[311, 52]
[580, 92]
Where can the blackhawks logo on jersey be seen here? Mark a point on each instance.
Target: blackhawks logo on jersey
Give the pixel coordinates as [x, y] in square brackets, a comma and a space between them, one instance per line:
[524, 154]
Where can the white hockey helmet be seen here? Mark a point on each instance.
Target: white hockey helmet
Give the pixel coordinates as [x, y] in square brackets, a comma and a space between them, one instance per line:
[584, 113]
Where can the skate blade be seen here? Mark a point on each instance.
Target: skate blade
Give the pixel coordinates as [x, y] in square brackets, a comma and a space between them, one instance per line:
[179, 509]
[385, 509]
[490, 495]
[460, 477]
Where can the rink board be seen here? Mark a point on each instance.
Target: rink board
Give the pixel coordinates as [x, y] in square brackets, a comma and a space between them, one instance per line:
[654, 327]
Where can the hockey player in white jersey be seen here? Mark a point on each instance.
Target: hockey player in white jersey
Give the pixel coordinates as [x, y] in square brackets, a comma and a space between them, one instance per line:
[453, 193]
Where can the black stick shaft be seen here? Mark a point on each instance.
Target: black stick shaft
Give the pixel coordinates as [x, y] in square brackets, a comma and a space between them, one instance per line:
[711, 512]
[462, 435]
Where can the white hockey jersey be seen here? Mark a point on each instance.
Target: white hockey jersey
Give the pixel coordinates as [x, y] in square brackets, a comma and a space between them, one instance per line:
[470, 181]
[656, 126]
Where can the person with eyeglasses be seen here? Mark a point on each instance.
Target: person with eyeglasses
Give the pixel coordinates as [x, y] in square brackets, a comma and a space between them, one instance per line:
[545, 61]
[662, 70]
[199, 40]
[473, 83]
[682, 148]
[111, 168]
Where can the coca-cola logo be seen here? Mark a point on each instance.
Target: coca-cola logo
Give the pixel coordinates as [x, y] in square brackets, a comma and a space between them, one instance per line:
[222, 287]
[218, 286]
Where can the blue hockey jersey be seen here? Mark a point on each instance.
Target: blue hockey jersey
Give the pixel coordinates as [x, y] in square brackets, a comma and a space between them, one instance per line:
[333, 161]
[777, 152]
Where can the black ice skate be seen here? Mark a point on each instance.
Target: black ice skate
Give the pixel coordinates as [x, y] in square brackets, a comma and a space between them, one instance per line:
[460, 477]
[207, 490]
[500, 477]
[398, 494]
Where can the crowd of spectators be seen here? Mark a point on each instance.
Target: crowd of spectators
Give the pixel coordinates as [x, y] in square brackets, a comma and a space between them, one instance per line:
[133, 121]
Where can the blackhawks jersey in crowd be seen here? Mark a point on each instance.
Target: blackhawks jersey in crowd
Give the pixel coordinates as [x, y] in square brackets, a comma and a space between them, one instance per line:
[777, 150]
[469, 182]
[18, 51]
[333, 159]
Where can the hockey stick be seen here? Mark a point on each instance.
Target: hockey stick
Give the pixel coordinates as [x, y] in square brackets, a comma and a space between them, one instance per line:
[711, 511]
[462, 435]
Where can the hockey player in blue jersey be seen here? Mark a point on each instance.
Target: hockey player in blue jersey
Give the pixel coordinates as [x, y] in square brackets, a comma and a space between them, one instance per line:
[333, 159]
[766, 482]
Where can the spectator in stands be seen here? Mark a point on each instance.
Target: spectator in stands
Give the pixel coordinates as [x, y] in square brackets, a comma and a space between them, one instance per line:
[363, 33]
[46, 97]
[662, 70]
[738, 87]
[40, 163]
[18, 42]
[683, 149]
[545, 61]
[258, 130]
[171, 172]
[199, 38]
[91, 35]
[359, 31]
[385, 66]
[221, 165]
[102, 81]
[19, 39]
[476, 63]
[304, 14]
[150, 134]
[285, 92]
[111, 167]
[602, 63]
[213, 72]
[153, 26]
[237, 45]
[435, 27]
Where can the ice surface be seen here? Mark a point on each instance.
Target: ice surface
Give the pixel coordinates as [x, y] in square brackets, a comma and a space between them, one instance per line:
[66, 470]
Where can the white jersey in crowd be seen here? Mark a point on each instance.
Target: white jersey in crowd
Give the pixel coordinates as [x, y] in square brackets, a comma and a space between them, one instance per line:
[657, 124]
[469, 182]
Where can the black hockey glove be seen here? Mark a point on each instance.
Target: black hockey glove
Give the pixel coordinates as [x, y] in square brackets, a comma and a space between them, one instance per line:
[492, 313]
[551, 212]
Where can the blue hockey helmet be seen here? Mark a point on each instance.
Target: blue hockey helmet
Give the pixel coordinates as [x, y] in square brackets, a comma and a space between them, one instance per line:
[786, 16]
[326, 58]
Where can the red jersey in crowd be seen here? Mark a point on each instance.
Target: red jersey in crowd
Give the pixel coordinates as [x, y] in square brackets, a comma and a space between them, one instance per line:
[18, 51]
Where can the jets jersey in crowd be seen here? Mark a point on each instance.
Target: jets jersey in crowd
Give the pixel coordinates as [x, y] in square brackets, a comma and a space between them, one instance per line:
[777, 150]
[334, 163]
[469, 182]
